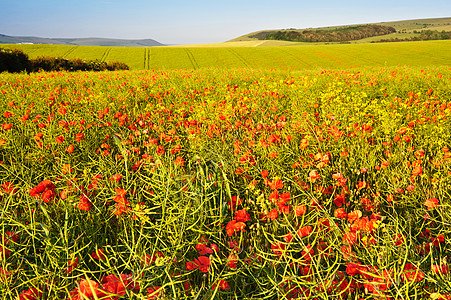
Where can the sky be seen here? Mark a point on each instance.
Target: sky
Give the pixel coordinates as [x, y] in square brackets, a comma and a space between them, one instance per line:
[197, 22]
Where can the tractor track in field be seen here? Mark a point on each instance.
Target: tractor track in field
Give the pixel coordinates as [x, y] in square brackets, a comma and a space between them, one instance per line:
[191, 58]
[72, 49]
[105, 54]
[147, 58]
[239, 57]
[296, 58]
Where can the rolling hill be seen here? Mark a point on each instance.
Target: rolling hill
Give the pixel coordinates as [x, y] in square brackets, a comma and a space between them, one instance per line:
[404, 29]
[5, 39]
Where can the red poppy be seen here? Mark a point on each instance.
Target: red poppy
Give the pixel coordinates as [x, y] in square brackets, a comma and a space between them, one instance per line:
[431, 203]
[179, 161]
[273, 214]
[242, 216]
[234, 202]
[84, 203]
[203, 249]
[88, 287]
[233, 226]
[154, 292]
[45, 189]
[340, 213]
[278, 248]
[99, 254]
[79, 137]
[31, 294]
[222, 285]
[59, 139]
[276, 184]
[274, 196]
[232, 261]
[112, 286]
[304, 231]
[7, 126]
[314, 176]
[203, 263]
[412, 273]
[353, 269]
[417, 171]
[299, 210]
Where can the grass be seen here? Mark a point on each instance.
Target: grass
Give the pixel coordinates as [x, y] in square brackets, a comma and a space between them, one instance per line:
[300, 57]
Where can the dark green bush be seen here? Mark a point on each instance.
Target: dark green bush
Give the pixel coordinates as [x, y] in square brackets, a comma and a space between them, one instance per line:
[13, 60]
[116, 65]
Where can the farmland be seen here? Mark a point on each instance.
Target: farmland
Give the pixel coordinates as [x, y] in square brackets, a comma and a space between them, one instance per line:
[225, 183]
[256, 55]
[239, 172]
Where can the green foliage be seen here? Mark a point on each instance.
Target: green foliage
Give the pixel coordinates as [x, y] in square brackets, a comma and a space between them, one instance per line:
[13, 60]
[342, 34]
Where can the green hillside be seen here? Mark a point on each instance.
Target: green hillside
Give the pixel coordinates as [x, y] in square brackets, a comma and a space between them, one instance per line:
[426, 53]
[404, 29]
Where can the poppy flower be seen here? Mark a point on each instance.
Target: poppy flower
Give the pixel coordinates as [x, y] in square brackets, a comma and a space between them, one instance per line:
[299, 210]
[31, 294]
[222, 285]
[233, 226]
[88, 287]
[276, 184]
[79, 136]
[412, 273]
[70, 149]
[232, 261]
[179, 161]
[203, 249]
[278, 248]
[304, 231]
[234, 202]
[273, 214]
[314, 176]
[98, 254]
[417, 171]
[112, 285]
[154, 292]
[242, 216]
[203, 263]
[7, 126]
[340, 213]
[431, 203]
[354, 269]
[84, 203]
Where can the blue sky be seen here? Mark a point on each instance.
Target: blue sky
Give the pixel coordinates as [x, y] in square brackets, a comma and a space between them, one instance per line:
[193, 22]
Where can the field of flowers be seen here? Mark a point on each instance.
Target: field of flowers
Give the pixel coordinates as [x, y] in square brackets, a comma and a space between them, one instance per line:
[226, 184]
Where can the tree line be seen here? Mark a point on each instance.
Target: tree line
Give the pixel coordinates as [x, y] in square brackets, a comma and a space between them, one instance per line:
[425, 35]
[342, 34]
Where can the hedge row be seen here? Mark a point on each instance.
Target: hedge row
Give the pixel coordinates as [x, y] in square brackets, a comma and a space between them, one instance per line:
[17, 61]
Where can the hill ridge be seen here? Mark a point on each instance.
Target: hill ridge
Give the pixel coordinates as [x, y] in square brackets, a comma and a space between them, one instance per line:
[403, 28]
[88, 41]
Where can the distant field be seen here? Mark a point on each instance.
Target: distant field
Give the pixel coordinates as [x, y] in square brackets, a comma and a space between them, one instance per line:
[258, 55]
